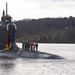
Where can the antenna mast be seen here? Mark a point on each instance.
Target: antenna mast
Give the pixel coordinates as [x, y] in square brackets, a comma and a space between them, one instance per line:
[6, 9]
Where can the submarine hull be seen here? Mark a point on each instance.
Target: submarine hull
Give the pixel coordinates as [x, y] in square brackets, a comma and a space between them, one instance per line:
[29, 54]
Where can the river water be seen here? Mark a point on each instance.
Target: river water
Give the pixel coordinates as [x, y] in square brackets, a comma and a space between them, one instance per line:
[27, 66]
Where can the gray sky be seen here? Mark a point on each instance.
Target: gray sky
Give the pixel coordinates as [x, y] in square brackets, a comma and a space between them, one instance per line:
[21, 9]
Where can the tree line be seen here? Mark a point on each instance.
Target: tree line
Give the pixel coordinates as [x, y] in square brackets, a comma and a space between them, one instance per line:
[46, 30]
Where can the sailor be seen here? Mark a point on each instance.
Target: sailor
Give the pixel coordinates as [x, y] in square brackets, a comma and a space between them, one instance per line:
[23, 45]
[31, 44]
[27, 45]
[8, 19]
[36, 46]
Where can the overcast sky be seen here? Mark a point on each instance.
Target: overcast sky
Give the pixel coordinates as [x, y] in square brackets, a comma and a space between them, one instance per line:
[21, 9]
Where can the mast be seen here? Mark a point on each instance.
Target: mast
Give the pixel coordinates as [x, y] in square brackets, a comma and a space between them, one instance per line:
[6, 9]
[3, 12]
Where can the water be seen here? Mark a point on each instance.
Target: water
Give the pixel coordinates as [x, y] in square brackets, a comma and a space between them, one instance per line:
[25, 66]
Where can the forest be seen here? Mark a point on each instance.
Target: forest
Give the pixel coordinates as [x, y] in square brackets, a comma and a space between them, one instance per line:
[46, 30]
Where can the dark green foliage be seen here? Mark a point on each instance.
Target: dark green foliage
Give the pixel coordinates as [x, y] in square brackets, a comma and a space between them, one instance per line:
[54, 30]
[70, 35]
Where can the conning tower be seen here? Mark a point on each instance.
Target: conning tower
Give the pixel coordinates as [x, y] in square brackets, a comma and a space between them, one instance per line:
[7, 32]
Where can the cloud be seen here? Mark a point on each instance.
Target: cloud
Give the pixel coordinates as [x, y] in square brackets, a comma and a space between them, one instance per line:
[68, 0]
[19, 9]
[57, 0]
[44, 8]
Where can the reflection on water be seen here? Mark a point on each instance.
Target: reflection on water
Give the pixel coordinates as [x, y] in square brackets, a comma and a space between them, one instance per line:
[24, 66]
[6, 66]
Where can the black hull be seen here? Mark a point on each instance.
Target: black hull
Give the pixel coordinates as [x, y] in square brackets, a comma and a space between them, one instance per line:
[28, 54]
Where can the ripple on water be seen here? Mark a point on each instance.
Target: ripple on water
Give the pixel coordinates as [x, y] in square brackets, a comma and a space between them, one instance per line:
[24, 66]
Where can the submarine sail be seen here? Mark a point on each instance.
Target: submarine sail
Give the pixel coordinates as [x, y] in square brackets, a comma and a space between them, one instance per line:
[7, 32]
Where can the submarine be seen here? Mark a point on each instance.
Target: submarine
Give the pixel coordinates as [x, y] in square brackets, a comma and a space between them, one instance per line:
[8, 47]
[7, 32]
